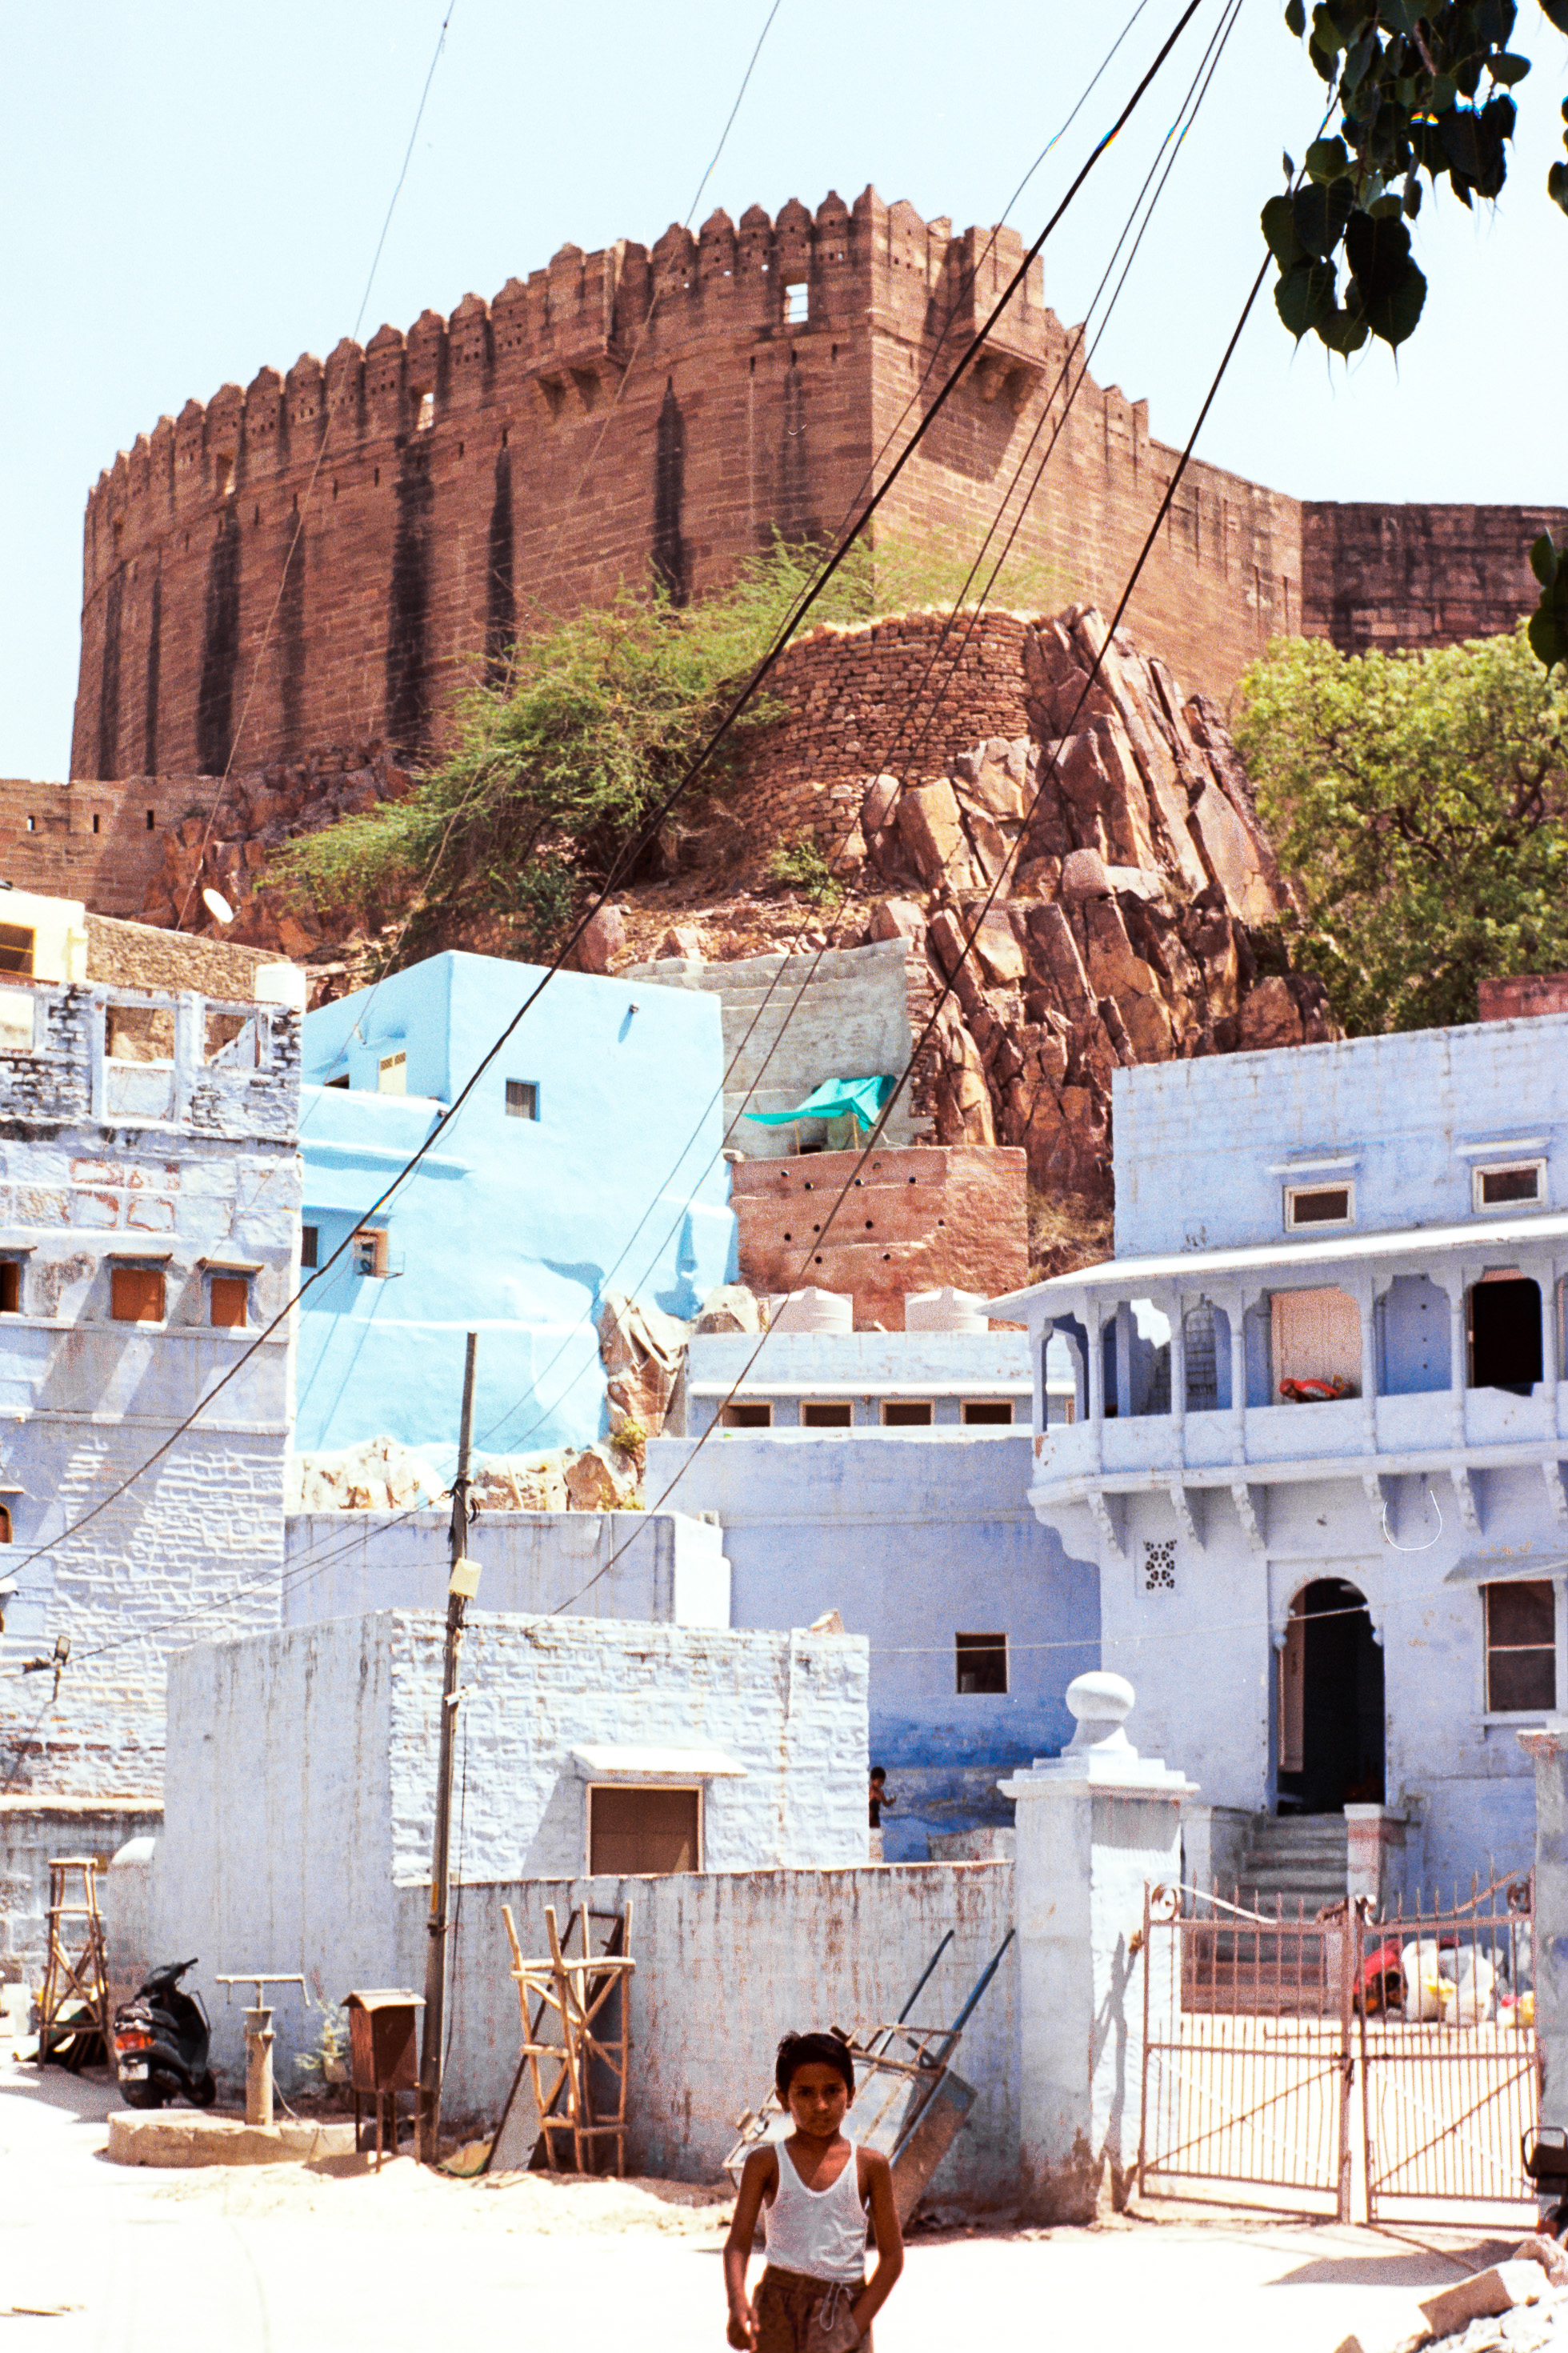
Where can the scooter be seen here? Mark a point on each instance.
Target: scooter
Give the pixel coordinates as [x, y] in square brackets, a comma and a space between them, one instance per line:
[160, 2041]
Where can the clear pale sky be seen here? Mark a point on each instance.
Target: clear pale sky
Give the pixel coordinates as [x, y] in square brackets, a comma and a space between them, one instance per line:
[187, 192]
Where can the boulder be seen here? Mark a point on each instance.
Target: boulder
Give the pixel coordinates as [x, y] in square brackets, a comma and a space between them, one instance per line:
[731, 1308]
[682, 940]
[1270, 1016]
[1084, 876]
[930, 829]
[595, 1482]
[895, 919]
[603, 939]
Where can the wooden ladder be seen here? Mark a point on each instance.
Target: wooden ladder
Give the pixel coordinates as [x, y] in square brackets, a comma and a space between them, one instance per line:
[74, 1981]
[571, 1991]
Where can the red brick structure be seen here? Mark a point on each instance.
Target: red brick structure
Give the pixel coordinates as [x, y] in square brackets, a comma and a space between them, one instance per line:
[914, 1220]
[1534, 993]
[622, 411]
[1381, 578]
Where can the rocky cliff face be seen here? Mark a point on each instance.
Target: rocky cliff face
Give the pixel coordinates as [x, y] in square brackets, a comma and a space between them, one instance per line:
[1136, 919]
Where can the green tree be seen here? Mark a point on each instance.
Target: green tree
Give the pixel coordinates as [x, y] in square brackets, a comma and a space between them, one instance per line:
[1419, 803]
[1419, 89]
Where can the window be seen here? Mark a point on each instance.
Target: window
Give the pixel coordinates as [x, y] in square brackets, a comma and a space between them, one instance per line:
[1512, 1185]
[981, 1663]
[1319, 1205]
[1160, 1565]
[522, 1099]
[16, 949]
[993, 1410]
[644, 1831]
[309, 1246]
[10, 1286]
[136, 1295]
[368, 1251]
[797, 302]
[5, 1523]
[424, 411]
[1522, 1646]
[749, 1413]
[228, 1296]
[392, 1074]
[828, 1413]
[907, 1413]
[223, 468]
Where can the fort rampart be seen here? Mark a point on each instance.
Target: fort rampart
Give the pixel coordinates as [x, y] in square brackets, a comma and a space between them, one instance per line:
[634, 413]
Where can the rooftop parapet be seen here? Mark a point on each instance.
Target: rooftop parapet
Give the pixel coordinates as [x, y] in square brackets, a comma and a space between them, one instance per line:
[135, 1058]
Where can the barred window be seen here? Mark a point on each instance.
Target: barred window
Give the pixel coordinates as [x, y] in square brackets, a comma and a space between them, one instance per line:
[1160, 1565]
[1522, 1646]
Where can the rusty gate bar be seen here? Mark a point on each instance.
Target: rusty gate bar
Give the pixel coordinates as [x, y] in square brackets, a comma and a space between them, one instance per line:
[1248, 2047]
[1450, 2078]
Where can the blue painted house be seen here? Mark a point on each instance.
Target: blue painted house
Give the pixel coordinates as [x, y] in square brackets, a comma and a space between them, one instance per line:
[588, 1156]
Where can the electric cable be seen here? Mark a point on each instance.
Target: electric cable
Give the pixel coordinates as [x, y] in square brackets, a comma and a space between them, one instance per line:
[681, 784]
[315, 472]
[895, 754]
[989, 900]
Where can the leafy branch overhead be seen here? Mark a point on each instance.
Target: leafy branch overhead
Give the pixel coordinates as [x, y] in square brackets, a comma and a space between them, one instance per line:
[1418, 91]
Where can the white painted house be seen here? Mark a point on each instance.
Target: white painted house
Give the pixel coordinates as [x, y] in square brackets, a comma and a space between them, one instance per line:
[1323, 1428]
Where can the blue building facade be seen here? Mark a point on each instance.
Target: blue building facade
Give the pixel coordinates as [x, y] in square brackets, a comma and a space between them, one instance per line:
[588, 1157]
[923, 1541]
[1321, 1440]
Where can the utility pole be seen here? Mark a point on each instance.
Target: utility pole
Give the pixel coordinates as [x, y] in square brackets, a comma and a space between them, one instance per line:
[460, 1589]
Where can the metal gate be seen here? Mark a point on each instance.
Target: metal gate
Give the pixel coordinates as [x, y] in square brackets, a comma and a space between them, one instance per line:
[1449, 2078]
[1255, 2025]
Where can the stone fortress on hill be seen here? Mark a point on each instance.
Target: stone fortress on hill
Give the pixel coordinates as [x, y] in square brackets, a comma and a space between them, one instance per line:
[672, 409]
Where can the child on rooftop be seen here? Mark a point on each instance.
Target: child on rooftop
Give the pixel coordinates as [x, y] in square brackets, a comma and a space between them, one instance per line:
[813, 2191]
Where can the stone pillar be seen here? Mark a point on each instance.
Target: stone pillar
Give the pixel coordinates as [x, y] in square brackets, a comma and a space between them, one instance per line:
[1093, 1825]
[1374, 1855]
[1547, 1748]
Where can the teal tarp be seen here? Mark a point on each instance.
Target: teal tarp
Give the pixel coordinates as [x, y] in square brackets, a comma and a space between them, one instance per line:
[861, 1099]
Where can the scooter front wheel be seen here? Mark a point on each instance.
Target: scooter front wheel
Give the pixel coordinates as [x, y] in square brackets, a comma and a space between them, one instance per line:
[143, 2095]
[204, 2094]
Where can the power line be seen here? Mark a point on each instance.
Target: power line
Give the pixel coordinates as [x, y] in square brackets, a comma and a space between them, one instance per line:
[683, 783]
[989, 899]
[315, 472]
[891, 754]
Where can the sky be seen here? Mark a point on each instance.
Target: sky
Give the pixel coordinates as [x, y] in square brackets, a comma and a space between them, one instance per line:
[188, 193]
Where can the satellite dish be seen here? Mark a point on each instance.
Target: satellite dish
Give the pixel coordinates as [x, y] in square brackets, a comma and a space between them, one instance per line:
[218, 906]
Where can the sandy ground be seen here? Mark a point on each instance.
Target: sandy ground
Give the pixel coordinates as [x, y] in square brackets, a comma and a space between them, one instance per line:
[288, 2259]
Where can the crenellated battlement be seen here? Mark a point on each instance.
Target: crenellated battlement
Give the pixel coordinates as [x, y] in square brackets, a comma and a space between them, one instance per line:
[582, 315]
[326, 555]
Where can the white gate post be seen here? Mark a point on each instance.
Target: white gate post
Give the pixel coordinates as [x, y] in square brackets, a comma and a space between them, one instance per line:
[1547, 1749]
[1093, 1825]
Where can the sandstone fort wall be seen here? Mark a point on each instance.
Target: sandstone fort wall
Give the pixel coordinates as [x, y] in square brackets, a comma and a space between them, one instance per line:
[620, 412]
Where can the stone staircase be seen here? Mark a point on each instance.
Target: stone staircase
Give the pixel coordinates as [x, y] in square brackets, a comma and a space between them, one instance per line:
[1293, 1860]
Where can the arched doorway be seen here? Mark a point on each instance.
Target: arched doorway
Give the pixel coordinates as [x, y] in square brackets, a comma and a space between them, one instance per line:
[1330, 1703]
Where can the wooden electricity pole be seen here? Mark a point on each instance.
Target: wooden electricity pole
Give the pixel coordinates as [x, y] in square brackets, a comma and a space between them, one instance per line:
[460, 1589]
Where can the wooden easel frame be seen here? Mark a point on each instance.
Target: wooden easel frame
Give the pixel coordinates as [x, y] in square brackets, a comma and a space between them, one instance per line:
[568, 1992]
[82, 1977]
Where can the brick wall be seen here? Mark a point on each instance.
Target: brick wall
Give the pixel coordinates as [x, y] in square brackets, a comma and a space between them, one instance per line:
[1525, 998]
[914, 1220]
[1387, 577]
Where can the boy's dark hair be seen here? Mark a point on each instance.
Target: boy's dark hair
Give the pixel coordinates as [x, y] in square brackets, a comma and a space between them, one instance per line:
[879, 1772]
[812, 2051]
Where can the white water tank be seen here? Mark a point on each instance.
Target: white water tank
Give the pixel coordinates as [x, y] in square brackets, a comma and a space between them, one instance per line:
[809, 1310]
[946, 1310]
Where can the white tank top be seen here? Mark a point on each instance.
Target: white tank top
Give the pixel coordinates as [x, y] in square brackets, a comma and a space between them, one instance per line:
[821, 2233]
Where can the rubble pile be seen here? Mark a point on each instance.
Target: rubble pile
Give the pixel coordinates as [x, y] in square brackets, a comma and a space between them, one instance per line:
[227, 849]
[1137, 921]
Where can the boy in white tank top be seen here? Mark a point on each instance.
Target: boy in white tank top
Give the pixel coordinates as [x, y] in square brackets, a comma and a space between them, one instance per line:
[813, 2191]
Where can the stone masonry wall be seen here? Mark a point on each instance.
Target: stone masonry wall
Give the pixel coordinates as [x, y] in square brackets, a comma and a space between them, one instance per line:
[1383, 577]
[914, 1220]
[624, 414]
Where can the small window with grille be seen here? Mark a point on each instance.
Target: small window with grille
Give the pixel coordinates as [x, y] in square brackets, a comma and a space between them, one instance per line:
[1522, 1646]
[522, 1099]
[310, 1247]
[16, 944]
[1160, 1565]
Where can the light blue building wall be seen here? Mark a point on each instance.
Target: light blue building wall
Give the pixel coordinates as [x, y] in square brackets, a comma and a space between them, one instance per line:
[914, 1539]
[1204, 1149]
[606, 1172]
[1322, 1376]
